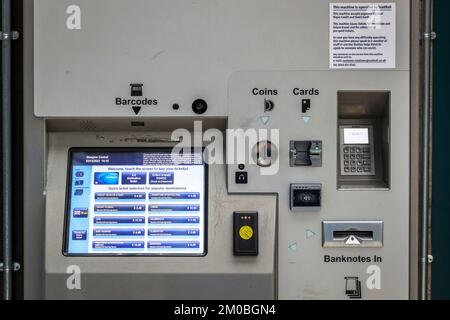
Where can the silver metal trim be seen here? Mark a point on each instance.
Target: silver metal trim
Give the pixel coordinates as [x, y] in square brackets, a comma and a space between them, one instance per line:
[329, 240]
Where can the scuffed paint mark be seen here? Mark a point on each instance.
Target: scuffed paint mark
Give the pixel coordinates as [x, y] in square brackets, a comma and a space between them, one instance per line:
[156, 55]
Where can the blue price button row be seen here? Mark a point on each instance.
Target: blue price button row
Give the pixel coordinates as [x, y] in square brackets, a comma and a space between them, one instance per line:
[173, 245]
[112, 245]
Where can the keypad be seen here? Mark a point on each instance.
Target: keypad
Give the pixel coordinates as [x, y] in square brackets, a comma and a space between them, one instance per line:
[357, 159]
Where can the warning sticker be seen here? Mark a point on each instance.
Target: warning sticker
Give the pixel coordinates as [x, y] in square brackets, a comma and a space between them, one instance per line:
[362, 35]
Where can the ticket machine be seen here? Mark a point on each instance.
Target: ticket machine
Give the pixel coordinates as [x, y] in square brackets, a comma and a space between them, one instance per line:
[211, 149]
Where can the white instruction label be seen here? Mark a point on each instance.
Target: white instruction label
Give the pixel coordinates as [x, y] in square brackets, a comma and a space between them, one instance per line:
[362, 35]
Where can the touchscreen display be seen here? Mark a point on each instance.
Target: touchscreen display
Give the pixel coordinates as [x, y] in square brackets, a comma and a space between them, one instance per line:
[356, 136]
[129, 202]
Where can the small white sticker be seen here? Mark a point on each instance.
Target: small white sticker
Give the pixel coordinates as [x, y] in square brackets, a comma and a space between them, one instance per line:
[362, 36]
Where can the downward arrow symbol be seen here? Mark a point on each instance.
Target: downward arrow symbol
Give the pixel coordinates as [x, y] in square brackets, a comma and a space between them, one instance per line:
[137, 110]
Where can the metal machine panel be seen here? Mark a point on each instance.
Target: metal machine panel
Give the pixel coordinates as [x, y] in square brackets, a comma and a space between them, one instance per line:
[139, 65]
[306, 269]
[159, 277]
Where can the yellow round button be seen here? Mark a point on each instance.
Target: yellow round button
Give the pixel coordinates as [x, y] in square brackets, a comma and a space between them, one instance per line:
[246, 232]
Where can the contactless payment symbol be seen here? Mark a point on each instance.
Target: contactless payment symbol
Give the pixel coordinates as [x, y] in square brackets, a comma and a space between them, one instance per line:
[246, 232]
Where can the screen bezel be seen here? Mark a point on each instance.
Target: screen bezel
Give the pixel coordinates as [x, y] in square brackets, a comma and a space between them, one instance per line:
[66, 227]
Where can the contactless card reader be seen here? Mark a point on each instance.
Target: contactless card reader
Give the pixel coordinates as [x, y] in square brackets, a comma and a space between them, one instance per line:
[245, 233]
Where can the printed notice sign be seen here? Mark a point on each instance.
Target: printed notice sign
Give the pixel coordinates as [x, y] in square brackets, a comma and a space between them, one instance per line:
[362, 35]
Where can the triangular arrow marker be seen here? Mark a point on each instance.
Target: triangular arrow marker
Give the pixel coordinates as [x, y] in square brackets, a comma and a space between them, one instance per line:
[306, 119]
[265, 120]
[294, 247]
[352, 241]
[310, 234]
[137, 110]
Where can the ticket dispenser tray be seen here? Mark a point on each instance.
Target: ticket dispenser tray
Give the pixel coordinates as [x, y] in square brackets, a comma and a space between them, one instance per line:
[351, 234]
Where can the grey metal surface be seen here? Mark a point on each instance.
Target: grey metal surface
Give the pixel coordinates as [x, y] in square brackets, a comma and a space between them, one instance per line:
[7, 210]
[179, 50]
[34, 173]
[177, 286]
